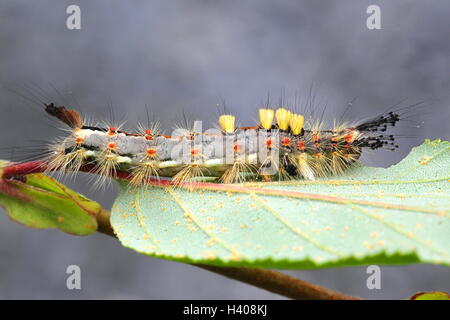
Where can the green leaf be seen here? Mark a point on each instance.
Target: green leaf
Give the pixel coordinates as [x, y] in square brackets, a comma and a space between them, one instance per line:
[41, 202]
[434, 295]
[370, 215]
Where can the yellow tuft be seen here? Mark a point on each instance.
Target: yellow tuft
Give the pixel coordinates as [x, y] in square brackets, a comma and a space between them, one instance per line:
[59, 161]
[187, 174]
[266, 118]
[143, 172]
[283, 118]
[236, 172]
[226, 122]
[296, 123]
[106, 168]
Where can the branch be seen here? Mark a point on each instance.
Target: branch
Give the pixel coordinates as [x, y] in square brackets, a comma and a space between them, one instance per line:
[279, 283]
[269, 280]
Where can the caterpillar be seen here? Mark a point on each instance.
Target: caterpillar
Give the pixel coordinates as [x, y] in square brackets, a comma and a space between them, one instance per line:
[282, 146]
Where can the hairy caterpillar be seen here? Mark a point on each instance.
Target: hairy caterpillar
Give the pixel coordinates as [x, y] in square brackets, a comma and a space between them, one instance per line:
[284, 145]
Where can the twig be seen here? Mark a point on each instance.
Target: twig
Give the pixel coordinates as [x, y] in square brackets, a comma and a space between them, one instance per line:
[279, 283]
[269, 280]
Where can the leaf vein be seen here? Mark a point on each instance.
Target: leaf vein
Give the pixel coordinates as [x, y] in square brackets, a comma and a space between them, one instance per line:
[191, 215]
[293, 229]
[396, 229]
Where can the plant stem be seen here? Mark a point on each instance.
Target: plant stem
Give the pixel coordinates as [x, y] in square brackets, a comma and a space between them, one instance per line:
[103, 224]
[269, 280]
[279, 283]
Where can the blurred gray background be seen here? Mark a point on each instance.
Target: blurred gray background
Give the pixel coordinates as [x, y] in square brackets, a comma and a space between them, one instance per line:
[193, 55]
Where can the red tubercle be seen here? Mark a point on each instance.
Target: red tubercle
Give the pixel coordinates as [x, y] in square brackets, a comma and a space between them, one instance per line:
[148, 134]
[151, 152]
[112, 131]
[300, 145]
[349, 138]
[112, 146]
[286, 142]
[79, 140]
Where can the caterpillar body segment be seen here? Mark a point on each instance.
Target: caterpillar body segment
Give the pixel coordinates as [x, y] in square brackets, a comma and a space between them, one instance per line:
[280, 148]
